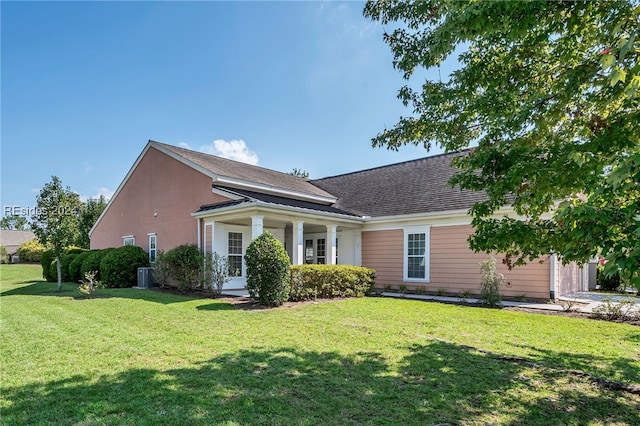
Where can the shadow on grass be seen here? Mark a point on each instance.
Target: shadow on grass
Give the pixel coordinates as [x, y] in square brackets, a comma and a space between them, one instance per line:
[434, 383]
[70, 290]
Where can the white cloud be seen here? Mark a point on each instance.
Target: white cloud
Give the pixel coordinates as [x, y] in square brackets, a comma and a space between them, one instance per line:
[235, 149]
[87, 167]
[108, 193]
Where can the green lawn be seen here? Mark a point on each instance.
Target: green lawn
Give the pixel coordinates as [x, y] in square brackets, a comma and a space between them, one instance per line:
[137, 357]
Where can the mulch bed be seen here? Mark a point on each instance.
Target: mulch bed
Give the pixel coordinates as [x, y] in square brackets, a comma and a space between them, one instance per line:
[248, 304]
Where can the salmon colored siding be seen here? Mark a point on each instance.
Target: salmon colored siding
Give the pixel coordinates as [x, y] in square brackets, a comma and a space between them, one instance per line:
[453, 266]
[383, 252]
[158, 184]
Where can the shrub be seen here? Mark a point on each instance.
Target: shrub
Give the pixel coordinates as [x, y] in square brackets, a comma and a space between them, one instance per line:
[119, 267]
[622, 310]
[4, 255]
[92, 262]
[330, 281]
[490, 285]
[46, 259]
[161, 270]
[216, 272]
[30, 251]
[75, 267]
[65, 262]
[185, 264]
[608, 282]
[267, 270]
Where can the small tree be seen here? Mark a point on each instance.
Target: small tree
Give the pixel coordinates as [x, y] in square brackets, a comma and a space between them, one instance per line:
[89, 285]
[267, 270]
[491, 281]
[216, 272]
[55, 222]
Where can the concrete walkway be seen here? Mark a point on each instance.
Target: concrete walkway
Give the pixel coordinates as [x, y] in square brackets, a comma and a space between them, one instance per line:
[584, 302]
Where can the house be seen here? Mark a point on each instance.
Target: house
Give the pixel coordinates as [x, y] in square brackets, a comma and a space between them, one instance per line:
[12, 239]
[403, 220]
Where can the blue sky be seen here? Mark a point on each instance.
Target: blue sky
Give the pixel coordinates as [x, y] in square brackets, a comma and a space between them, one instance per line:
[85, 85]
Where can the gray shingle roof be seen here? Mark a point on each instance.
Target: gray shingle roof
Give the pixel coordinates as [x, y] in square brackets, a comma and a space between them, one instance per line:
[12, 239]
[416, 186]
[247, 172]
[273, 199]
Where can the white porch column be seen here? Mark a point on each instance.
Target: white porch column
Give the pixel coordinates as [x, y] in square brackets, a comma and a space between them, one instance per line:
[358, 247]
[331, 244]
[297, 250]
[257, 226]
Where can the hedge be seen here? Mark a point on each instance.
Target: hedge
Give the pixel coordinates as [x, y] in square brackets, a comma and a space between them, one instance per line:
[46, 260]
[329, 281]
[119, 268]
[92, 262]
[75, 267]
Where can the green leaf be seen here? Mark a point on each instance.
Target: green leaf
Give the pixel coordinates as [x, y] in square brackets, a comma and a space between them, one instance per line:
[617, 75]
[607, 61]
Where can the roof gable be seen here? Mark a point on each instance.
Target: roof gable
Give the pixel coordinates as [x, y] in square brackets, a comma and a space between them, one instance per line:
[236, 174]
[416, 186]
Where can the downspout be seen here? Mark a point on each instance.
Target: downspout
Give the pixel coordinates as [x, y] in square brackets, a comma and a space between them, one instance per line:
[199, 220]
[552, 277]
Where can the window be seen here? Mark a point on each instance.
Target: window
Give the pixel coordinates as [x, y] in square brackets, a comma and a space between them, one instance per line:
[308, 251]
[416, 245]
[322, 251]
[129, 240]
[235, 254]
[336, 251]
[152, 248]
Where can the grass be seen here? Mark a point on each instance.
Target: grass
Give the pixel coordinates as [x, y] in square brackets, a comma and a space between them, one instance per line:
[136, 357]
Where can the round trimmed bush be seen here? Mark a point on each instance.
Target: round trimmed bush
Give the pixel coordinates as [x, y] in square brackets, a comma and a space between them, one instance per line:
[46, 259]
[66, 260]
[75, 267]
[92, 262]
[119, 268]
[267, 270]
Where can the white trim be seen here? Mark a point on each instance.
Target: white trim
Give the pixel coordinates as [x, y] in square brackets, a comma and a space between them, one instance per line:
[423, 229]
[155, 249]
[127, 237]
[265, 208]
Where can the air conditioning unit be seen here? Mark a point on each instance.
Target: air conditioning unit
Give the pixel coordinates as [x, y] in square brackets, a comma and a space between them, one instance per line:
[145, 278]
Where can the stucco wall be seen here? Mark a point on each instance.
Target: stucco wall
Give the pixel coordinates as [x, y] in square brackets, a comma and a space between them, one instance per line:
[162, 185]
[453, 266]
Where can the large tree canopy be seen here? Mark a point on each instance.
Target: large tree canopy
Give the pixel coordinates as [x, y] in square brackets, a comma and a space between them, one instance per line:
[548, 93]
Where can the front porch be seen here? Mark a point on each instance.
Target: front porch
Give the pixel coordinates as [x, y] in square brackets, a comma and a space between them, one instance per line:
[308, 237]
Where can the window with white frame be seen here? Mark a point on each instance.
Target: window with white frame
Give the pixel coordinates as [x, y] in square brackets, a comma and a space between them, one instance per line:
[128, 240]
[152, 248]
[416, 254]
[235, 254]
[322, 251]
